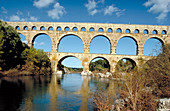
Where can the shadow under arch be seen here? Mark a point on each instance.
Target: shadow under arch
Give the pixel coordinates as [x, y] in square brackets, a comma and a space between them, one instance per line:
[103, 36]
[61, 67]
[100, 58]
[125, 65]
[158, 46]
[131, 37]
[39, 34]
[71, 35]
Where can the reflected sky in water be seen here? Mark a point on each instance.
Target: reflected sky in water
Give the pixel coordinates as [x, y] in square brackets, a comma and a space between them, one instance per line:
[50, 93]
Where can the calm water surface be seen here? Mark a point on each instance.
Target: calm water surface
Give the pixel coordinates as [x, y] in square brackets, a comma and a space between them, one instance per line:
[72, 92]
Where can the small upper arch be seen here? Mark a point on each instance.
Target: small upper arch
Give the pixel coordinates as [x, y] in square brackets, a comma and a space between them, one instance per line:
[17, 28]
[67, 29]
[127, 31]
[119, 30]
[109, 30]
[101, 30]
[91, 29]
[59, 28]
[136, 31]
[34, 28]
[50, 28]
[164, 32]
[145, 31]
[42, 28]
[154, 32]
[25, 28]
[83, 29]
[75, 29]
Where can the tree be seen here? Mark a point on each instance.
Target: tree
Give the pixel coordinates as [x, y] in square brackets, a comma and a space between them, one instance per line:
[11, 47]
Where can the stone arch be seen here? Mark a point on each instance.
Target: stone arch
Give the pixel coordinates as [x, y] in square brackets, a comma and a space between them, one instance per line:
[83, 29]
[151, 46]
[75, 29]
[129, 36]
[36, 35]
[133, 63]
[50, 28]
[25, 28]
[59, 28]
[118, 30]
[26, 40]
[136, 31]
[154, 32]
[91, 29]
[34, 28]
[64, 57]
[105, 36]
[100, 30]
[42, 28]
[61, 37]
[108, 62]
[17, 27]
[109, 30]
[146, 31]
[164, 32]
[67, 29]
[127, 31]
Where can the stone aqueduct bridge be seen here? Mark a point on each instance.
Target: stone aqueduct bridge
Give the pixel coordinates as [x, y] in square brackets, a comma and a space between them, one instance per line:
[86, 32]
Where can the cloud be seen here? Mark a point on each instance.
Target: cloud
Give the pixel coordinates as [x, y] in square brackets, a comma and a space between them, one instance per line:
[41, 43]
[24, 41]
[57, 12]
[42, 3]
[109, 10]
[91, 7]
[15, 18]
[4, 10]
[32, 18]
[161, 7]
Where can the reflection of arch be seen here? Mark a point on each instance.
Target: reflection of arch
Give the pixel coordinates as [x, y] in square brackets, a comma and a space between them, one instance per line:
[102, 58]
[133, 38]
[104, 37]
[72, 34]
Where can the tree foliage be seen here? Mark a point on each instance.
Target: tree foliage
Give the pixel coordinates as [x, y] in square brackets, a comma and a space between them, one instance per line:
[99, 65]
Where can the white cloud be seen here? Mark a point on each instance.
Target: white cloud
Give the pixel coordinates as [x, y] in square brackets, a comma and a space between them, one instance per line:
[109, 10]
[19, 12]
[42, 3]
[4, 10]
[14, 18]
[25, 41]
[161, 7]
[41, 43]
[91, 7]
[32, 18]
[57, 12]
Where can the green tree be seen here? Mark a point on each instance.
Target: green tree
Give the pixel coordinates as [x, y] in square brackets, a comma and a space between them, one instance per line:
[11, 47]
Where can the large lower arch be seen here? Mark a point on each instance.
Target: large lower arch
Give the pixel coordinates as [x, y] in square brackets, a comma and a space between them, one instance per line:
[125, 65]
[23, 38]
[69, 61]
[127, 45]
[105, 63]
[70, 43]
[42, 41]
[153, 46]
[100, 44]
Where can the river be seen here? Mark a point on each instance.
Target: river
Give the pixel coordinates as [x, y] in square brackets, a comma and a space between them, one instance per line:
[72, 92]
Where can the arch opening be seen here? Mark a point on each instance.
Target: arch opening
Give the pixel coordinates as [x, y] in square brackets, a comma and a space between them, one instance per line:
[42, 41]
[153, 47]
[127, 31]
[136, 31]
[154, 32]
[59, 28]
[100, 45]
[25, 27]
[145, 31]
[91, 29]
[34, 28]
[109, 30]
[119, 30]
[17, 28]
[42, 28]
[71, 43]
[125, 65]
[75, 29]
[69, 64]
[99, 64]
[67, 29]
[101, 30]
[163, 32]
[83, 29]
[50, 28]
[127, 46]
[23, 38]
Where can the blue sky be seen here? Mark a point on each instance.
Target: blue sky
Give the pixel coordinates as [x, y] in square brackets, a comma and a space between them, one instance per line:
[148, 12]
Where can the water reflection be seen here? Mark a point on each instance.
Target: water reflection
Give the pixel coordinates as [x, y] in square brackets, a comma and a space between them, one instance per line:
[32, 93]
